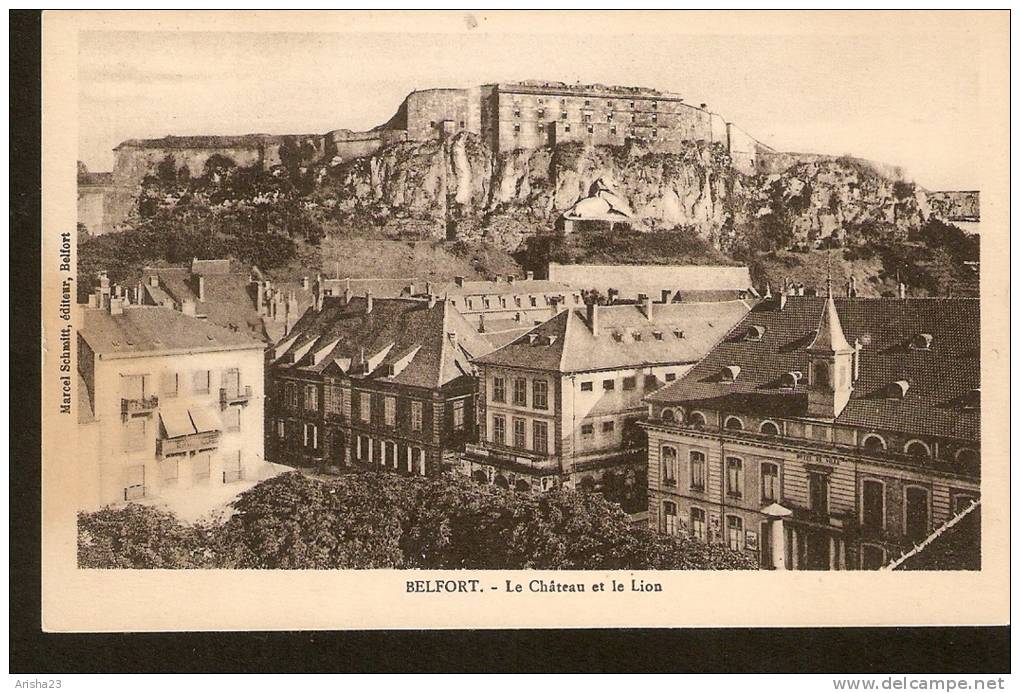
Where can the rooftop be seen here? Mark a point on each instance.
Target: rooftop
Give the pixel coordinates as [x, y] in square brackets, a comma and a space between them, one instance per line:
[631, 280]
[144, 330]
[940, 375]
[677, 333]
[403, 341]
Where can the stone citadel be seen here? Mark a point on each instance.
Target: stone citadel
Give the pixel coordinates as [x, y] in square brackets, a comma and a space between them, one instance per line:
[506, 116]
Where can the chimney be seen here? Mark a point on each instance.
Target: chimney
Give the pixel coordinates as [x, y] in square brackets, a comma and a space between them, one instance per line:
[800, 289]
[499, 278]
[481, 322]
[260, 297]
[304, 283]
[646, 305]
[94, 300]
[368, 302]
[853, 286]
[459, 281]
[188, 308]
[857, 360]
[510, 278]
[902, 290]
[593, 318]
[768, 290]
[348, 294]
[666, 295]
[782, 300]
[428, 288]
[612, 295]
[529, 275]
[432, 300]
[201, 288]
[410, 289]
[153, 280]
[116, 306]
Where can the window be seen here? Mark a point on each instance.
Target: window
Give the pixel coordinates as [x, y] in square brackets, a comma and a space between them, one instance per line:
[734, 477]
[520, 437]
[968, 456]
[499, 429]
[608, 426]
[872, 557]
[168, 472]
[916, 513]
[292, 396]
[334, 399]
[232, 418]
[517, 129]
[168, 384]
[734, 532]
[591, 129]
[873, 505]
[586, 386]
[311, 398]
[566, 128]
[281, 429]
[563, 115]
[200, 382]
[587, 429]
[630, 383]
[651, 381]
[417, 415]
[587, 117]
[698, 523]
[134, 386]
[517, 113]
[818, 492]
[770, 429]
[200, 467]
[498, 389]
[962, 501]
[520, 392]
[697, 420]
[916, 448]
[608, 385]
[458, 415]
[135, 434]
[769, 482]
[873, 443]
[669, 517]
[540, 394]
[612, 130]
[540, 113]
[733, 423]
[697, 463]
[669, 456]
[365, 406]
[821, 374]
[540, 436]
[533, 301]
[670, 377]
[311, 436]
[390, 410]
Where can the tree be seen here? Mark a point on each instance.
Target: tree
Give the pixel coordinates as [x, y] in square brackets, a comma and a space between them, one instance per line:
[138, 536]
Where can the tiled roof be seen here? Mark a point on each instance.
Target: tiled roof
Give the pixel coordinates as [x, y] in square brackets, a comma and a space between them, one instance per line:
[518, 286]
[229, 300]
[678, 333]
[939, 377]
[207, 267]
[428, 346]
[630, 280]
[141, 329]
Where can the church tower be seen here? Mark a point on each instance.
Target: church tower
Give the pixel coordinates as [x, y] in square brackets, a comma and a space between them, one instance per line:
[830, 373]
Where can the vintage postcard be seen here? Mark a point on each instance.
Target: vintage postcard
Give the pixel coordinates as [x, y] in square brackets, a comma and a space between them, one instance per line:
[612, 319]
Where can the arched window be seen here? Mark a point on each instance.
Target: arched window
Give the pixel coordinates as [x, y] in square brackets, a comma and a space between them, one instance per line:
[873, 443]
[668, 415]
[967, 456]
[734, 423]
[917, 448]
[769, 428]
[697, 419]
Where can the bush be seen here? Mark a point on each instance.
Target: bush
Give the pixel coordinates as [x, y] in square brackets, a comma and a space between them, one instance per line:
[138, 536]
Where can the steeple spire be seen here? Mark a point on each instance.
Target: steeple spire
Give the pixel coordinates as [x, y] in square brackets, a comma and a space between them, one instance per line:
[830, 338]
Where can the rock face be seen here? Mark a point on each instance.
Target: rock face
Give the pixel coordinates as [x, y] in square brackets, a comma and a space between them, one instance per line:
[459, 188]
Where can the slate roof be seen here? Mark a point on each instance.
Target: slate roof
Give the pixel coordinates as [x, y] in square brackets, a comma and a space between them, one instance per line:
[143, 329]
[414, 337]
[626, 337]
[939, 378]
[229, 301]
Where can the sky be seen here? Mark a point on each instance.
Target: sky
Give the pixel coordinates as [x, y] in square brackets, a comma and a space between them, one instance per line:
[910, 101]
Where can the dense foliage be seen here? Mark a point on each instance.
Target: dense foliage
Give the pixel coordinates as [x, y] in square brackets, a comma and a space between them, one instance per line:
[379, 520]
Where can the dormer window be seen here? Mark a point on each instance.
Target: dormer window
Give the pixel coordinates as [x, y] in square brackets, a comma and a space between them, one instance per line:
[729, 373]
[791, 379]
[618, 336]
[532, 338]
[679, 334]
[637, 337]
[658, 335]
[550, 339]
[897, 390]
[921, 342]
[754, 333]
[972, 400]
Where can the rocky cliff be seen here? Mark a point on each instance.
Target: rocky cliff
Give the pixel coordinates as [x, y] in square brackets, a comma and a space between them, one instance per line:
[460, 187]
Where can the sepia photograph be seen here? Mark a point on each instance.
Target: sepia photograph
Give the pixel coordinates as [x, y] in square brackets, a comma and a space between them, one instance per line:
[537, 303]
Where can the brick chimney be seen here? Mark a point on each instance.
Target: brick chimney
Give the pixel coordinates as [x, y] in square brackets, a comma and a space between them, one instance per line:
[593, 318]
[459, 281]
[529, 275]
[667, 295]
[646, 305]
[116, 306]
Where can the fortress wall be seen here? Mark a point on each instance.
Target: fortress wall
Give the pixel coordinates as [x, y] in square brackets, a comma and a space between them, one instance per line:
[133, 163]
[427, 109]
[743, 148]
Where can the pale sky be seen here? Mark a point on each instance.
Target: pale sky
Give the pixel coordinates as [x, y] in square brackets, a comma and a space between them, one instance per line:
[912, 103]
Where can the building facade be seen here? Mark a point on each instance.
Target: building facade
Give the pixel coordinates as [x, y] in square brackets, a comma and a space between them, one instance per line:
[823, 433]
[380, 383]
[559, 406]
[170, 404]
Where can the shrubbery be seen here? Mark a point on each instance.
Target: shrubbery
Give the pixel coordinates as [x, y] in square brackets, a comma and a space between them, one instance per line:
[378, 520]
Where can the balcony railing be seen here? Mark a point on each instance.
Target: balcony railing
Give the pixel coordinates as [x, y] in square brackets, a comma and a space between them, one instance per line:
[134, 492]
[508, 457]
[193, 443]
[238, 395]
[138, 405]
[232, 476]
